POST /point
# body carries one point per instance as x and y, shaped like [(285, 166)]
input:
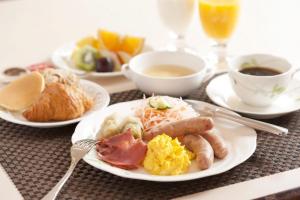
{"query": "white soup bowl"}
[(172, 86)]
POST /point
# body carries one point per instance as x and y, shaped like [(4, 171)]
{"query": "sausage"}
[(202, 149), (193, 125), (217, 143)]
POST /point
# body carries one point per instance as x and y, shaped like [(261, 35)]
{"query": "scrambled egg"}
[(166, 156)]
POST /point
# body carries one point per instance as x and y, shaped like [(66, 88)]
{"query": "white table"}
[(32, 29)]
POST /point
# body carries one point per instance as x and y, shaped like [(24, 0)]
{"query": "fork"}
[(258, 125), (78, 151), (215, 111)]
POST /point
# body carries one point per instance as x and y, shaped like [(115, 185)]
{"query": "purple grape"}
[(105, 64)]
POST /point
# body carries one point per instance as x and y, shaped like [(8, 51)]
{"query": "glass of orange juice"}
[(219, 18)]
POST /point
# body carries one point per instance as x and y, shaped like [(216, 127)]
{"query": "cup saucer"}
[(219, 90)]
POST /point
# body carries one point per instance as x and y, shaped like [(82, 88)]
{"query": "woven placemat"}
[(36, 159)]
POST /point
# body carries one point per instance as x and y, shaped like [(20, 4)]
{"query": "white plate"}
[(219, 90), (61, 58), (241, 141), (99, 94)]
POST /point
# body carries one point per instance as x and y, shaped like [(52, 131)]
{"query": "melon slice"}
[(23, 92)]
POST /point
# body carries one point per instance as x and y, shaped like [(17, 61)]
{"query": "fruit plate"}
[(61, 58), (98, 93), (241, 141)]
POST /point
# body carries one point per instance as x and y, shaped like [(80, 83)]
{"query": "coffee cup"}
[(259, 79)]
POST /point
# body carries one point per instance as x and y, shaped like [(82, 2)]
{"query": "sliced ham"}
[(122, 150)]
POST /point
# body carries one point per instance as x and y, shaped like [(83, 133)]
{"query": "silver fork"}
[(216, 111), (78, 150)]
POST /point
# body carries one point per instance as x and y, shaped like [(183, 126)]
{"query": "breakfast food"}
[(167, 71), (110, 126), (40, 66), (133, 124), (259, 71), (109, 39), (85, 58), (107, 52), (166, 156), (48, 95), (122, 150), (202, 149), (117, 43), (9, 74), (14, 71), (58, 103), (114, 124), (22, 92), (167, 132), (60, 76), (195, 125), (157, 111), (217, 143), (88, 41), (62, 99)]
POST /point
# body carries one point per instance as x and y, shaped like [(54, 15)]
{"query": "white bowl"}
[(173, 86)]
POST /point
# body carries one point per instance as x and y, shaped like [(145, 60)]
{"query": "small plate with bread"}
[(50, 98)]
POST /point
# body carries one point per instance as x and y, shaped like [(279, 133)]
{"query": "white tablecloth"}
[(30, 30)]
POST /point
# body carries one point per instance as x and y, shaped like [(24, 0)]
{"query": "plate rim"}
[(61, 123), (155, 178), (225, 105)]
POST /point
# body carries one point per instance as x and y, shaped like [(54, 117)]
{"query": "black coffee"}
[(260, 71)]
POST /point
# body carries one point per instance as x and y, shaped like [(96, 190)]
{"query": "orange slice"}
[(124, 57), (115, 42), (92, 41), (109, 40), (132, 45)]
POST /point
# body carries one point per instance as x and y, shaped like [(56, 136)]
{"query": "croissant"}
[(59, 102)]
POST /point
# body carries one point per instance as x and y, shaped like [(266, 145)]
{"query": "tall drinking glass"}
[(176, 15), (219, 18)]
